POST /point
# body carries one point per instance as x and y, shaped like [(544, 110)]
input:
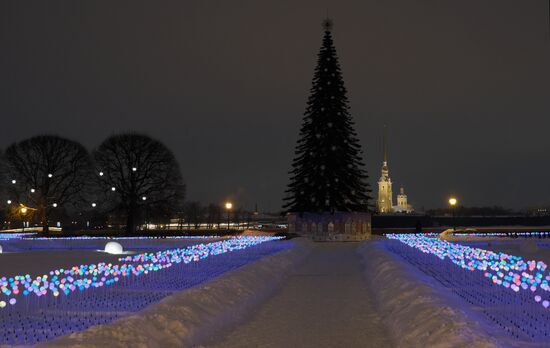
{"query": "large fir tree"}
[(327, 173)]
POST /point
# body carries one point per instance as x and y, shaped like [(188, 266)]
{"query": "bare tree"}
[(46, 173), (214, 212), (138, 174), (193, 214)]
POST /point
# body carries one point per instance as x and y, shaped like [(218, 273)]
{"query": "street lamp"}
[(452, 202), (23, 211), (228, 206)]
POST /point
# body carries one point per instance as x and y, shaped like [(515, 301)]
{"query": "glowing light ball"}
[(113, 248), (0, 249)]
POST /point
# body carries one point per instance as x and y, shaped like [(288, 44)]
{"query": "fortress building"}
[(384, 203)]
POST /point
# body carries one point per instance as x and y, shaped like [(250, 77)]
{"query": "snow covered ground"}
[(311, 295), (39, 257), (414, 307), (192, 316), (323, 303)]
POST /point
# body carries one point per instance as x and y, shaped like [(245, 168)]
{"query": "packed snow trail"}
[(323, 303)]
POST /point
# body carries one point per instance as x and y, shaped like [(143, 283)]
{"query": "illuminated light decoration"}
[(144, 198), (94, 205), (14, 181), (113, 188), (24, 210), (0, 249), (24, 235), (100, 173), (513, 234), (69, 300), (114, 248), (516, 292), (54, 205), (68, 280), (50, 175), (134, 169), (8, 201), (33, 190)]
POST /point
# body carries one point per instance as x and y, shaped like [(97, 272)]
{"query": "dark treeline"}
[(130, 180), (472, 211)]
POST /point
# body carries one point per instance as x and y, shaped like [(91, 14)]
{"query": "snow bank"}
[(416, 313), (449, 236), (257, 233), (192, 316)]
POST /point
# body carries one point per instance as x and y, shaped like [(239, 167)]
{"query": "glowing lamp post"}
[(452, 202), (23, 211), (228, 206)]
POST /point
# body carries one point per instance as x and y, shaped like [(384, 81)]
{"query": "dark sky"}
[(462, 84)]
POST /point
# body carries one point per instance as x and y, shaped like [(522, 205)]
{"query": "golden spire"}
[(385, 143)]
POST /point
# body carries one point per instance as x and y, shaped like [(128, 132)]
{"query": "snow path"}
[(323, 303)]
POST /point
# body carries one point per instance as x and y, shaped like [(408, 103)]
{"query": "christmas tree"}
[(327, 173)]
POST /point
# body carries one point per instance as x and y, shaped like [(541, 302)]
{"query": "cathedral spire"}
[(385, 143)]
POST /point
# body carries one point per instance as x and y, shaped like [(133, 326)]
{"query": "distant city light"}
[(228, 205), (452, 201)]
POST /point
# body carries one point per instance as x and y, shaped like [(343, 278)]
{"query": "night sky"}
[(462, 84)]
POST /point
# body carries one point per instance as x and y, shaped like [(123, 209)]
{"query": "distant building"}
[(402, 205), (384, 203)]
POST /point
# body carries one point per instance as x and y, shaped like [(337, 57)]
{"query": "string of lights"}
[(512, 292)]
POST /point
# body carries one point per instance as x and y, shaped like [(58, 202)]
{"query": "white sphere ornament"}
[(113, 248)]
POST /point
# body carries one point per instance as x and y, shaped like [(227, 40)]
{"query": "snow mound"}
[(256, 233), (193, 316), (417, 314), (449, 235)]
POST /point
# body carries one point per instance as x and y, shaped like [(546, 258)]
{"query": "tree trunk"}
[(131, 219), (45, 222)]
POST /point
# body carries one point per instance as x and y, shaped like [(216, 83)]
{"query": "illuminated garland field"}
[(512, 292), (34, 309), (23, 242)]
